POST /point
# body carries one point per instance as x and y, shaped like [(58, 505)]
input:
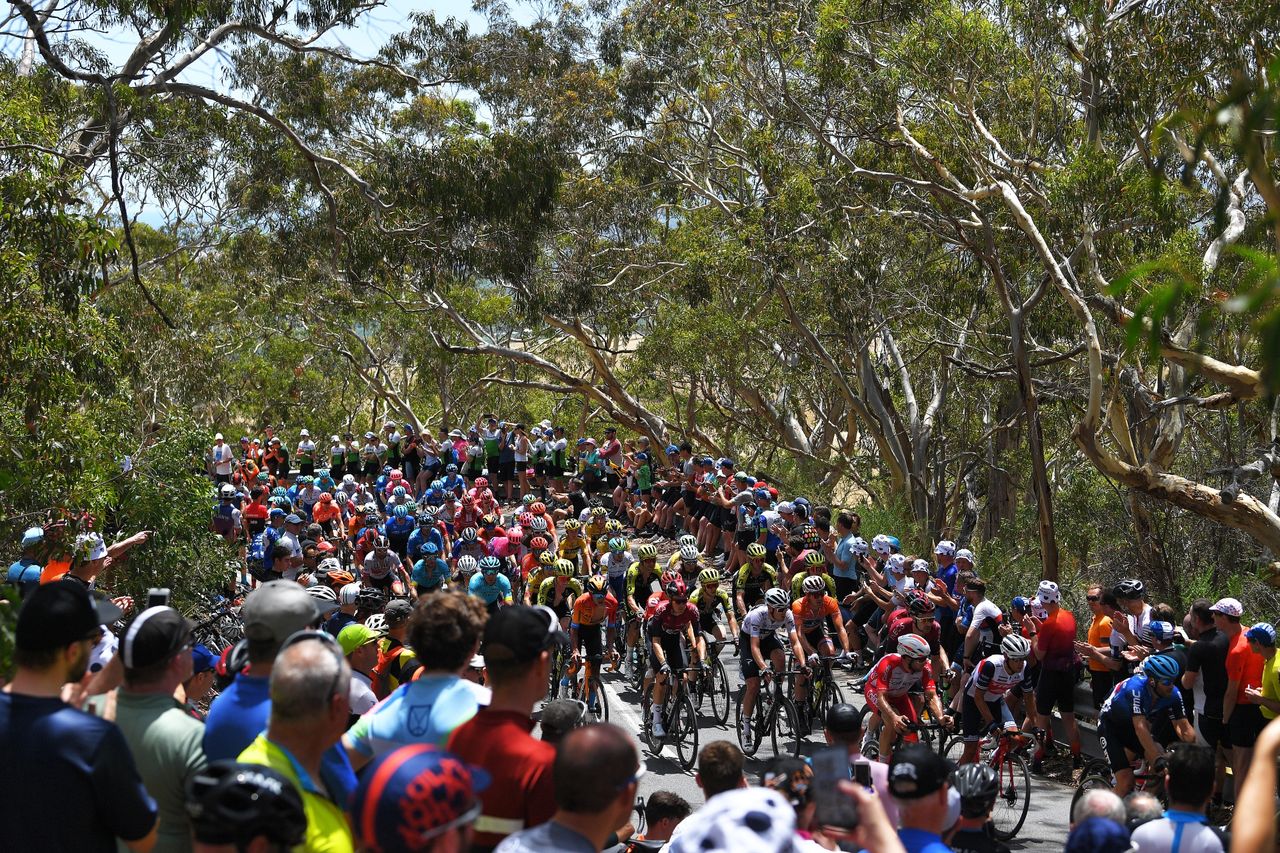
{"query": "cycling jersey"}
[(907, 625), (992, 679), (547, 591), (810, 617), (665, 620), (588, 614), (766, 579), (430, 572), (892, 678), (634, 579), (758, 622), (699, 598), (487, 592), (1135, 697), (987, 616), (797, 585), (571, 546), (379, 567), (617, 564)]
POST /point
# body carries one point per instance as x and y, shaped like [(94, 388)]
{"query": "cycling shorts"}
[(816, 637), (672, 648), (1030, 678), (902, 704), (618, 586), (707, 621), (591, 637), (1115, 740), (746, 663), (971, 722), (1057, 688)]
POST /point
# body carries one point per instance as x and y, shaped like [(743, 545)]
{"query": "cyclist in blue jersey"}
[(430, 573), (1125, 722), (490, 585), (427, 531)]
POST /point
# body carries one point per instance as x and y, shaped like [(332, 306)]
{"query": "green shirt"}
[(1271, 684), (644, 478), (166, 743)]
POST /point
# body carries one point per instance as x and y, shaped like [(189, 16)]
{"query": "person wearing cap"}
[(310, 687), (69, 777), (429, 708), (844, 726), (204, 666), (1262, 638), (270, 615), (397, 662), (559, 717), (517, 648), (1243, 719), (586, 814), (166, 741), (1053, 644), (24, 572), (276, 460), (221, 456), (359, 644), (305, 454), (919, 781), (92, 558)]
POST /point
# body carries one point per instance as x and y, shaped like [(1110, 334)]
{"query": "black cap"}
[(60, 613), (917, 771), (154, 635), (397, 611), (521, 633), (561, 715), (844, 719)]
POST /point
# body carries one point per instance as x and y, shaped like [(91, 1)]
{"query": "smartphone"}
[(158, 597), (833, 807), (862, 774)]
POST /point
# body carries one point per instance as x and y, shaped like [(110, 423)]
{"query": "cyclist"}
[(671, 622), (616, 564), (399, 526), (382, 569), (559, 591), (468, 545), (688, 562), (983, 696), (815, 566), (612, 530), (427, 531), (544, 570), (430, 573), (754, 578), (596, 610), (490, 585), (1128, 717), (467, 567), (637, 587), (482, 498), (708, 598), (888, 687), (978, 786), (919, 618), (595, 527), (529, 563), (758, 641), (574, 546)]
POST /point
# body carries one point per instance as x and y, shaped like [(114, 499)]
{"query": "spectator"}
[(1206, 680), (977, 786), (1054, 647), (397, 662), (428, 709), (663, 810), (559, 717), (360, 646), (1101, 675), (793, 779), (1243, 719), (1098, 835), (1253, 825), (1184, 828), (919, 781), (751, 820), (82, 787), (1262, 639), (310, 686), (346, 613), (1141, 807), (164, 739), (517, 651), (844, 727), (1098, 802), (271, 614), (24, 572), (235, 807), (586, 814), (720, 766), (418, 798), (204, 665)]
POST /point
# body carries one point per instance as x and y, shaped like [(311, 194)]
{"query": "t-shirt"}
[(1192, 831), (361, 695), (1057, 641), (1099, 637), (327, 830), (920, 841), (1270, 684), (521, 793), (423, 711), (1243, 666), (1208, 656), (551, 837), (166, 744), (69, 779), (845, 555)]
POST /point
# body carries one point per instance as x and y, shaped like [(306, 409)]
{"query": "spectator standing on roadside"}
[(1263, 638), (204, 664), (1243, 719), (1102, 677), (720, 766), (1054, 647), (919, 780), (165, 740), (1206, 679), (1141, 807), (663, 812), (1184, 827), (1098, 802)]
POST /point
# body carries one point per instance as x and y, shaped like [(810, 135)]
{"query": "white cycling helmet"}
[(913, 646), (687, 540), (814, 583), (468, 565), (349, 593), (329, 564), (777, 597), (377, 622), (689, 553), (1015, 646), (322, 592)]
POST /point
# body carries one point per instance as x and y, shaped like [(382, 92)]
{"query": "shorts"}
[(611, 480), (222, 478), (562, 609), (371, 469), (746, 662), (1212, 730), (752, 595), (743, 538), (307, 469), (728, 523), (1030, 678), (673, 651), (618, 585), (971, 722), (1056, 688), (902, 704), (507, 471), (1245, 725), (707, 621), (816, 637), (592, 638), (1114, 743)]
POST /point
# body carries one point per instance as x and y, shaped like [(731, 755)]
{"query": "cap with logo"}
[(917, 771), (60, 613), (1263, 633), (1162, 631), (1228, 607), (413, 794)]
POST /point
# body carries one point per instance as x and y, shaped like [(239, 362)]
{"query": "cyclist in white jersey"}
[(984, 703), (759, 647)]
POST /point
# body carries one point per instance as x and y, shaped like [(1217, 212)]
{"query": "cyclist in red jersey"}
[(671, 621), (919, 617), (889, 684)]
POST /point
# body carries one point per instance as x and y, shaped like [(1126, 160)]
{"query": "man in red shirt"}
[(1243, 719), (517, 649), (1053, 644)]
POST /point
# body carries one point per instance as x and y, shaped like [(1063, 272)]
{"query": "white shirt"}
[(222, 457), (361, 694)]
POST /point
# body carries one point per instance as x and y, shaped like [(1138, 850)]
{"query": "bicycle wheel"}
[(602, 700), (719, 693), (638, 666), (953, 748), (1014, 798), (784, 734), (1090, 781), (756, 724), (646, 723), (684, 731), (831, 695)]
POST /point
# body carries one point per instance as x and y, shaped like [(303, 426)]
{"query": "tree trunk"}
[(1035, 443)]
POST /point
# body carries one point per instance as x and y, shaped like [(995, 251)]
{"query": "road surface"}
[(1044, 831)]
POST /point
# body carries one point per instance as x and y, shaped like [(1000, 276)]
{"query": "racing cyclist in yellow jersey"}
[(545, 569), (815, 565), (559, 592), (597, 520), (709, 596), (637, 587), (753, 579), (690, 564), (574, 546), (612, 528)]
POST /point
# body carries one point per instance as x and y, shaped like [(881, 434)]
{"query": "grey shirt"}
[(550, 837)]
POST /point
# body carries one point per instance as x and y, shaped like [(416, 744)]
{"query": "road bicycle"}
[(1006, 752), (679, 719), (559, 670), (932, 733), (1097, 775), (774, 717), (822, 694), (600, 714), (711, 690)]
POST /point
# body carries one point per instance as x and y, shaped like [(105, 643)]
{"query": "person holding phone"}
[(843, 731)]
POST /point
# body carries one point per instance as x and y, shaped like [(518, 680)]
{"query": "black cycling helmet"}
[(233, 803), (1130, 588), (977, 784)]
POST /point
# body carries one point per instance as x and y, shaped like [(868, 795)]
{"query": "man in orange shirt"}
[(1102, 678), (1243, 719)]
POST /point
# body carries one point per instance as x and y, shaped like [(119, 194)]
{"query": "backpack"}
[(259, 554), (223, 519)]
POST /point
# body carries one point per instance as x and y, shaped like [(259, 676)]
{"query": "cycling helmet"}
[(913, 646), (1016, 646), (227, 492), (386, 469), (322, 592), (399, 491), (467, 564), (755, 549), (571, 525), (1162, 668), (537, 543), (425, 518), (279, 492), (880, 544), (815, 558), (451, 468), (617, 544), (468, 534), (859, 546), (348, 479), (371, 598), (537, 508), (814, 583), (340, 578), (490, 564), (546, 558), (707, 576), (528, 500), (233, 803), (597, 585), (689, 553), (381, 543), (482, 483), (977, 784), (489, 520), (305, 480), (613, 526), (524, 518), (326, 498), (1130, 588), (329, 565), (599, 511), (668, 576), (777, 597), (919, 605), (564, 568), (538, 523), (1020, 603), (646, 552), (376, 622), (349, 593), (895, 544), (686, 539), (411, 506), (401, 512), (675, 589)]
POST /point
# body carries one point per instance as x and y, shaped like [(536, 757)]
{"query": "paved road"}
[(1044, 831)]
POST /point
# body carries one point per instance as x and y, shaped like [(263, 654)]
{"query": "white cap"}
[(897, 563), (333, 438), (966, 554), (945, 548), (1048, 592), (1228, 607), (304, 432), (90, 546), (218, 437), (786, 506)]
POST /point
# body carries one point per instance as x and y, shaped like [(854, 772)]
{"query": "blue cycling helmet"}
[(430, 548), (437, 484), (399, 491), (451, 468), (1162, 668), (386, 470), (490, 564), (279, 492), (1020, 602), (894, 544), (401, 511)]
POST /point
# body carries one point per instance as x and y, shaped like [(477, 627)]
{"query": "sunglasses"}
[(679, 600), (328, 642), (1093, 598), (634, 777)]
